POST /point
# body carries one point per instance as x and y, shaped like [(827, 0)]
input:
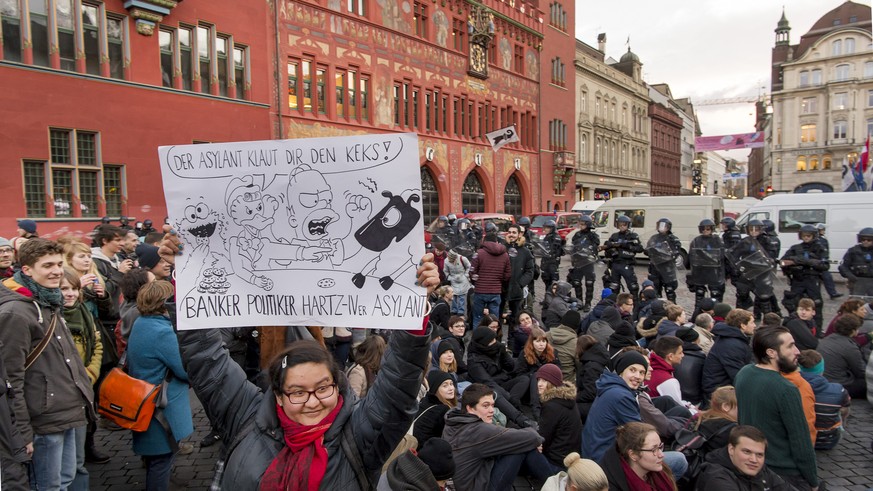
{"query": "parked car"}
[(565, 222)]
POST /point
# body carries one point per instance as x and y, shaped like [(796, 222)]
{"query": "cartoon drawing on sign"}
[(206, 228), (394, 222), (313, 219)]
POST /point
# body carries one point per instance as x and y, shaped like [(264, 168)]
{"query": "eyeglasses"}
[(654, 450), (6, 250), (302, 396)]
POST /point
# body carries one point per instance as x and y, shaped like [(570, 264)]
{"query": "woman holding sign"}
[(309, 431)]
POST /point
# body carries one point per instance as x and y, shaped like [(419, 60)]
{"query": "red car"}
[(566, 222)]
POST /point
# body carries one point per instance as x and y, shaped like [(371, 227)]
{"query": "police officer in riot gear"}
[(663, 248), (826, 278), (773, 245), (621, 249), (553, 249), (146, 229), (524, 223), (803, 264), (706, 256), (754, 270), (857, 264), (730, 236), (583, 256), (466, 242)]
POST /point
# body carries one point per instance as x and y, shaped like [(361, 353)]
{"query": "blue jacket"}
[(615, 405), (730, 352), (152, 350)]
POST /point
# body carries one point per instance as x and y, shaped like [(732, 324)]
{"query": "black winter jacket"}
[(521, 260), (491, 371), (857, 263), (689, 373), (560, 425), (719, 474), (730, 352), (238, 409), (430, 420), (591, 365), (801, 331)]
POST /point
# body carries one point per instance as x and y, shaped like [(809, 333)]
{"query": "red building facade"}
[(666, 150), (450, 71), (91, 89)]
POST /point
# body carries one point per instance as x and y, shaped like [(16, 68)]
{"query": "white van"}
[(685, 212), (844, 215), (588, 207)]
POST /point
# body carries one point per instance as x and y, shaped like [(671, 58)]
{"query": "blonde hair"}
[(73, 246), (152, 296), (722, 396), (585, 474), (72, 277)]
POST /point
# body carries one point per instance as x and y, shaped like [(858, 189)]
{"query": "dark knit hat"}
[(687, 334), (650, 295), (28, 226), (440, 332), (409, 472), (648, 283), (721, 310), (624, 328), (435, 378), (147, 255), (621, 361), (551, 374), (447, 344), (572, 319), (483, 335), (707, 304), (611, 316), (436, 453)]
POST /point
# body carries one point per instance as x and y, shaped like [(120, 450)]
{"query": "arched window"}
[(472, 195), (512, 197), (826, 162), (813, 162), (583, 147), (430, 198)]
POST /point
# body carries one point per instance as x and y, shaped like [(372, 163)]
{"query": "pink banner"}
[(729, 142)]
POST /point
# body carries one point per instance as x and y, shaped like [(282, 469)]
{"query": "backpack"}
[(691, 443)]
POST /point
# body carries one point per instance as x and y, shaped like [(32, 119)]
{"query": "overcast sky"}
[(704, 49)]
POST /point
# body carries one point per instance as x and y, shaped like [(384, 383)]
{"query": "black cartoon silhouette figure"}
[(314, 221), (393, 223)]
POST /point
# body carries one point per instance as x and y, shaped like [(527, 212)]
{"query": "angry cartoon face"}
[(248, 206), (309, 204)]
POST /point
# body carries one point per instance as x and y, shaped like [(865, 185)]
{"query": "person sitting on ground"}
[(309, 405), (844, 363), (491, 321), (690, 372), (563, 340), (624, 336), (716, 422), (706, 306), (489, 363), (647, 327), (441, 310), (592, 359), (445, 359), (430, 468), (607, 299), (610, 319), (671, 323), (664, 414), (489, 457), (832, 401), (791, 373), (801, 324), (636, 461), (559, 421), (562, 302), (368, 360), (442, 395), (624, 302), (666, 354), (740, 465), (457, 329), (581, 475), (524, 323), (615, 404), (721, 311), (865, 312), (771, 319), (703, 325), (731, 350), (536, 353)]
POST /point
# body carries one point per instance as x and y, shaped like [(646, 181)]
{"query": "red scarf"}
[(302, 463), (657, 481)]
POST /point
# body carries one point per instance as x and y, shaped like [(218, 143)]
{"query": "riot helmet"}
[(706, 222), (809, 230), (550, 224), (124, 220), (664, 225), (463, 223), (524, 222), (587, 221), (490, 228), (105, 220), (769, 226), (443, 218), (756, 226), (147, 223), (623, 219), (452, 217), (820, 227), (865, 233), (728, 223)]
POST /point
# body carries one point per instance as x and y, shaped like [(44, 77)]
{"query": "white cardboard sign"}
[(321, 231)]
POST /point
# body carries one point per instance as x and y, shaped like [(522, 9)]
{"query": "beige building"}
[(822, 93), (612, 145)]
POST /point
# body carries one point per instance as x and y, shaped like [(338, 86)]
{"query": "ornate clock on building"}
[(478, 61)]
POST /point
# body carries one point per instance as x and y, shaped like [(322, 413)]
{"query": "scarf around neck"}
[(657, 481), (81, 324), (301, 465), (47, 297)]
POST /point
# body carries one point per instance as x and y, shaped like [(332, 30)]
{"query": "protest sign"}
[(322, 231)]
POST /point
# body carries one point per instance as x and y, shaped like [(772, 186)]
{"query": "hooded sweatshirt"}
[(490, 268), (615, 405), (604, 327), (476, 444), (663, 383)]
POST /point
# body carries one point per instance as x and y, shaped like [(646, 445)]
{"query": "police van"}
[(685, 212), (844, 215)]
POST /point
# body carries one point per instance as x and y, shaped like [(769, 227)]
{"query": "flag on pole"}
[(866, 167), (849, 183), (503, 136)]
